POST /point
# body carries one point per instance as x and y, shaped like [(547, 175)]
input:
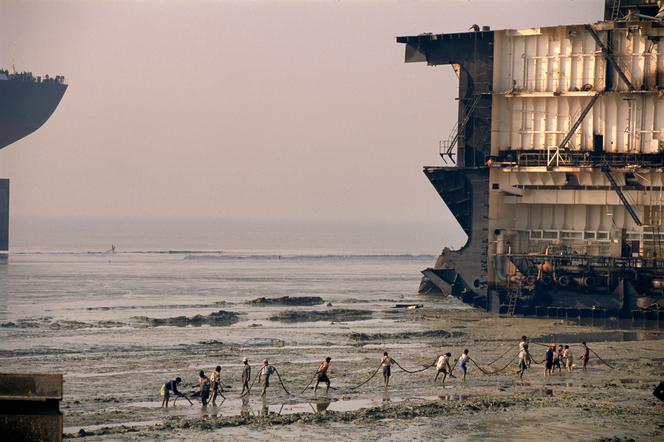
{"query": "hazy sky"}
[(242, 110)]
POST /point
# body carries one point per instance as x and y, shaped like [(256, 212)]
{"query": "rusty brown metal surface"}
[(30, 406)]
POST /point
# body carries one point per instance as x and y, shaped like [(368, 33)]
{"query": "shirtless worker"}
[(321, 374), (585, 354), (443, 366), (523, 361), (386, 363), (204, 384), (215, 385), (463, 364), (568, 359)]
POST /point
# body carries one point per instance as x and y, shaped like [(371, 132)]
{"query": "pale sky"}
[(265, 110)]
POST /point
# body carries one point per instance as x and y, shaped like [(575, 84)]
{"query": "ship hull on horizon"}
[(25, 106), (26, 103)]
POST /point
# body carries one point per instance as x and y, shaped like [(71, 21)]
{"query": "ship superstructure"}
[(26, 102), (555, 167)]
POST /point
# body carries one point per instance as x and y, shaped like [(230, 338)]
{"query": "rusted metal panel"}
[(30, 386), (31, 427), (30, 406)]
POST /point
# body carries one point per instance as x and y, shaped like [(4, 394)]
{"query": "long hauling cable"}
[(281, 382), (370, 378), (414, 371)]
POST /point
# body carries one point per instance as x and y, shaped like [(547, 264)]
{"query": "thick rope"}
[(414, 371), (310, 382), (281, 382), (499, 357), (370, 378), (480, 368), (506, 365), (598, 357)]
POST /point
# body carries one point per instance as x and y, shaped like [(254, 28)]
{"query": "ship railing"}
[(581, 158), (590, 260)]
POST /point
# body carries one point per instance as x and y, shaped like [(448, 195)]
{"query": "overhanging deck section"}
[(471, 55)]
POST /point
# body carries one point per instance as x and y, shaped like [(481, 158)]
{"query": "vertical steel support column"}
[(4, 216)]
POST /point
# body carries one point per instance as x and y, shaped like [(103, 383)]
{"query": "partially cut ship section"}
[(555, 167)]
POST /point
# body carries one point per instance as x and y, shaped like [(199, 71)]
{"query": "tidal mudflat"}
[(120, 326)]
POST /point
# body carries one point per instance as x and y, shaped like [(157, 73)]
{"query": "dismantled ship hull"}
[(555, 167)]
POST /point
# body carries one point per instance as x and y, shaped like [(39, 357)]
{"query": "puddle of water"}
[(99, 427)]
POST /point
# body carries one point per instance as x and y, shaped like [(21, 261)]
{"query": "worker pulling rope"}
[(252, 383), (590, 349)]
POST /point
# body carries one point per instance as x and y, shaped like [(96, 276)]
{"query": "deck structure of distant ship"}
[(555, 166)]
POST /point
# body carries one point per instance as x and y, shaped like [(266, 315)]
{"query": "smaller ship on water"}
[(26, 102)]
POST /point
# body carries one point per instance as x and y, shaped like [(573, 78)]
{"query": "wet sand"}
[(599, 404)]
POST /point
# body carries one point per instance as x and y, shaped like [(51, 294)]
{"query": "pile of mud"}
[(337, 314), (62, 324), (218, 319), (289, 300), (366, 337)]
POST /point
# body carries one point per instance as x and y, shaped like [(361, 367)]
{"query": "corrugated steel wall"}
[(543, 78)]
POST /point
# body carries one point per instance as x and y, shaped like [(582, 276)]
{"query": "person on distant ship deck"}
[(386, 363), (322, 374)]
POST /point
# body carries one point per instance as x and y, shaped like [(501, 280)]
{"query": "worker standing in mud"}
[(215, 384), (443, 366), (321, 374), (568, 359), (386, 363), (168, 388), (548, 361), (264, 375), (557, 359), (246, 374), (463, 364), (204, 384), (523, 361), (585, 354)]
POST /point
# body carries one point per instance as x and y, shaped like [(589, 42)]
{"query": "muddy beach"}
[(113, 373), (599, 404)]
